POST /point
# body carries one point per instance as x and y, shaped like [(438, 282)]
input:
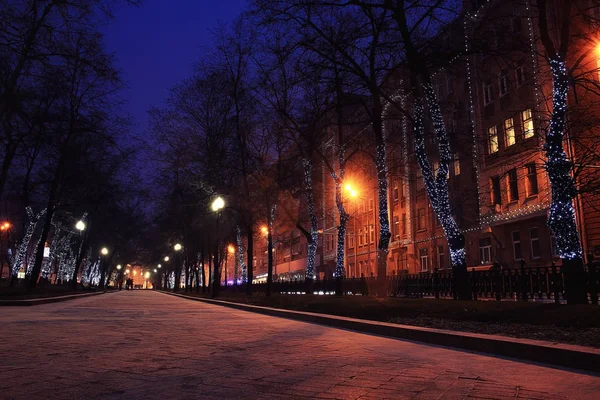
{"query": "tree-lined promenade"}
[(297, 107)]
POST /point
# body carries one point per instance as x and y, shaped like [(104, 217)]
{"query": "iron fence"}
[(545, 284)]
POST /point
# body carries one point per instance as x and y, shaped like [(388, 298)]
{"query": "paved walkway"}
[(148, 345)]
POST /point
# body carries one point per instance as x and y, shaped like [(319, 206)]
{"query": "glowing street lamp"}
[(127, 271), (104, 251), (119, 267), (264, 230), (218, 204), (80, 225), (177, 247), (159, 265), (231, 249), (155, 271), (166, 258), (5, 226), (147, 274), (351, 191)]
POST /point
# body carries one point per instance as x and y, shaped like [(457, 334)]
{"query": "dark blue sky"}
[(157, 44)]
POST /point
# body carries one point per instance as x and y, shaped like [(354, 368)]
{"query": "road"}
[(148, 345)]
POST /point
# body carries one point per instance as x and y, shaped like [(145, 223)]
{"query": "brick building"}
[(496, 106)]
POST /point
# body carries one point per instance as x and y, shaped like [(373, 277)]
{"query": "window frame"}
[(485, 248), (493, 145), (516, 244), (531, 182), (527, 132), (537, 240), (512, 184), (510, 137), (424, 259), (421, 218)]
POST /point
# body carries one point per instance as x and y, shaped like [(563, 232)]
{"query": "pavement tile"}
[(146, 345)]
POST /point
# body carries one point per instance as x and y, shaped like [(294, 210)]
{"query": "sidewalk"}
[(562, 355), (45, 300)]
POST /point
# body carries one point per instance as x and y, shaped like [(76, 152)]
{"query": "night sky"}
[(157, 44)]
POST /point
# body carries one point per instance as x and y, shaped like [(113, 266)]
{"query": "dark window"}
[(516, 240), (504, 83), (485, 250), (396, 227), (421, 219), (535, 242), (441, 257), (513, 185), (520, 72), (532, 183), (495, 190)]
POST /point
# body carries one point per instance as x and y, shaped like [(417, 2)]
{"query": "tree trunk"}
[(250, 266), (314, 229), (382, 192), (561, 218)]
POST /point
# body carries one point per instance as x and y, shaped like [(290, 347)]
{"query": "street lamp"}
[(80, 225), (104, 251), (351, 191), (155, 271), (218, 204), (231, 249), (264, 229), (119, 267), (159, 265), (3, 228), (127, 271), (166, 258), (177, 247)]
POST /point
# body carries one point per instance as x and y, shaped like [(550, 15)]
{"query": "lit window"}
[(421, 219), (492, 140), (516, 241), (456, 163), (485, 250), (509, 130), (372, 232), (513, 185), (350, 241), (424, 258), (531, 182), (366, 236), (527, 120), (396, 191), (535, 242)]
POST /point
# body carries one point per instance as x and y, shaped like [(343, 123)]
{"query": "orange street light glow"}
[(5, 226), (231, 249), (264, 229)]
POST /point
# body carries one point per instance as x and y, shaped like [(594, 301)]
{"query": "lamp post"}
[(3, 228), (354, 194), (103, 261), (231, 250), (266, 231), (80, 226), (177, 266), (217, 205)]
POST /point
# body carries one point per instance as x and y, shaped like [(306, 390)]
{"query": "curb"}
[(45, 300), (562, 355)]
